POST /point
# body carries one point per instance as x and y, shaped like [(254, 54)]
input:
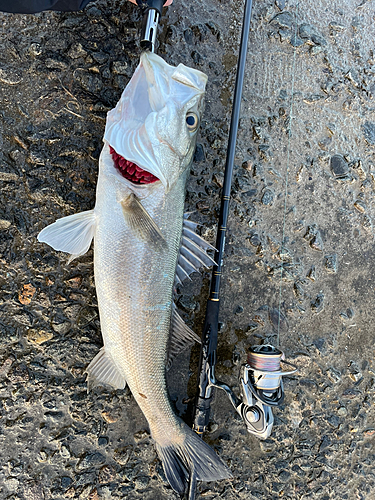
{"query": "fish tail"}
[(192, 457)]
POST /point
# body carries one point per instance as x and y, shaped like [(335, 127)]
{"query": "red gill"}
[(130, 170)]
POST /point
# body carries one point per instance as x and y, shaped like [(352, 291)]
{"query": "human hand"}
[(168, 2)]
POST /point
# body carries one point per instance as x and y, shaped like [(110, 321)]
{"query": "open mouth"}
[(130, 170)]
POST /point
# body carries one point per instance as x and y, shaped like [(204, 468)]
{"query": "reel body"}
[(261, 388)]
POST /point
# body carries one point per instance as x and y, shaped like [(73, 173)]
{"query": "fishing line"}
[(287, 172)]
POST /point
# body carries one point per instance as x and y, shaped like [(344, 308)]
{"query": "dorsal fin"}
[(181, 336), (193, 252)]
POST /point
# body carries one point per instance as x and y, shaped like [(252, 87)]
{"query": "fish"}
[(144, 245)]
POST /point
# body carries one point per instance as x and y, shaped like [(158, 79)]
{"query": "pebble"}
[(10, 77), (62, 328), (8, 177), (367, 224), (199, 154), (333, 375), (268, 197), (317, 243), (122, 455), (359, 169), (330, 263), (66, 481), (284, 35), (273, 244), (106, 474), (333, 421), (35, 49), (141, 482), (86, 478), (264, 152), (141, 436), (368, 129), (218, 179), (284, 476), (360, 206), (335, 26), (91, 460), (313, 236), (299, 292), (296, 41), (339, 166), (280, 4), (11, 484), (283, 20), (76, 51), (342, 411), (355, 376), (100, 57), (267, 445), (120, 67), (318, 305), (38, 336), (311, 274), (212, 427), (4, 224), (285, 255), (255, 240), (88, 81), (187, 303)]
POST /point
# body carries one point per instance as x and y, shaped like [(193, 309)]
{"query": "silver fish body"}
[(134, 287), (138, 231)]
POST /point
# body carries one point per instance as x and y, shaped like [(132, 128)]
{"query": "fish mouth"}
[(130, 171)]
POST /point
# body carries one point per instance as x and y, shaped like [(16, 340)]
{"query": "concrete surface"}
[(299, 260)]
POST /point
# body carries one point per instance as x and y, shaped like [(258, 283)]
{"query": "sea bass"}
[(143, 245)]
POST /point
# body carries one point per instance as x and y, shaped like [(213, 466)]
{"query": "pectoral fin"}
[(72, 234), (138, 219)]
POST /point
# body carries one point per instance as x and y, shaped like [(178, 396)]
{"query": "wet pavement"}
[(298, 264)]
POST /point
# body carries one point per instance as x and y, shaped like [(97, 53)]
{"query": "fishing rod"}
[(152, 11), (260, 379)]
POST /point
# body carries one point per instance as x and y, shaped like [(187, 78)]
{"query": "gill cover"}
[(149, 124)]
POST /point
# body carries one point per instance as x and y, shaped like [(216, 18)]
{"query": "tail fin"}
[(193, 456)]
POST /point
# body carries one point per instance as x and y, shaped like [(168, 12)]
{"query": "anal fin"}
[(181, 337), (141, 223), (102, 370)]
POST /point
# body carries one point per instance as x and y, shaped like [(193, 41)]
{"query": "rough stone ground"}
[(305, 176)]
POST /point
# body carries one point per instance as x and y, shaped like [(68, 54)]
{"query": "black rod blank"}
[(207, 361)]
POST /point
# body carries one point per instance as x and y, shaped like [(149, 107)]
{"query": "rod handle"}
[(206, 369)]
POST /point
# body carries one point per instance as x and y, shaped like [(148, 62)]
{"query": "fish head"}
[(155, 124)]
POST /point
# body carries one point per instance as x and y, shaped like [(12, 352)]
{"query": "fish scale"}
[(130, 321)]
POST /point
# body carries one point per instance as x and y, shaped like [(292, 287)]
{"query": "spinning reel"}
[(261, 388)]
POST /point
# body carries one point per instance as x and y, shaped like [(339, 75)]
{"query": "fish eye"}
[(192, 121)]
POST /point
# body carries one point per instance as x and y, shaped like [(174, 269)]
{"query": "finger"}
[(168, 2)]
